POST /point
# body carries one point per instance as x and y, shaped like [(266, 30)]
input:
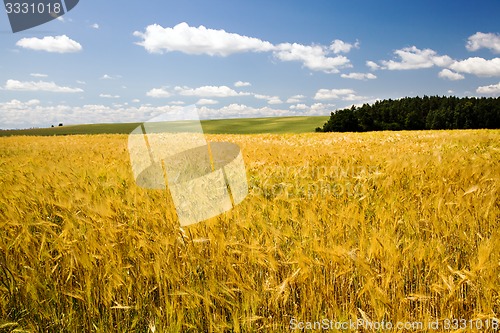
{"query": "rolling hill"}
[(220, 126)]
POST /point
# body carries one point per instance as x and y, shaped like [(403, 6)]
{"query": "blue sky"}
[(104, 62)]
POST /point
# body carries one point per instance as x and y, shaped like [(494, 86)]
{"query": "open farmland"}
[(383, 227), (298, 124)]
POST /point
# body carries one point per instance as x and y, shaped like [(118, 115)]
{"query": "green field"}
[(221, 126)]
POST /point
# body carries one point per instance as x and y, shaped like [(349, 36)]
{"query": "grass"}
[(223, 126), (383, 226)]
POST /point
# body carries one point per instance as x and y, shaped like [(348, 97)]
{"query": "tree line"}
[(417, 113)]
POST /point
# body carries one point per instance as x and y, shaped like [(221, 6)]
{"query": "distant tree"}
[(416, 113), (60, 124)]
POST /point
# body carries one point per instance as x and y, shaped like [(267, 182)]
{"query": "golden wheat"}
[(383, 227)]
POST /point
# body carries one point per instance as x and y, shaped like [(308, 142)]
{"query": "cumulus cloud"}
[(493, 89), (312, 57), (478, 66), (15, 85), (242, 84), (295, 99), (321, 108), (158, 93), (300, 106), (205, 101), (274, 100), (204, 91), (209, 91), (259, 96), (57, 44), (18, 114), (372, 65), (108, 96), (359, 76), (270, 99), (95, 26), (200, 40), (110, 77), (414, 58), (341, 94), (450, 75), (244, 111), (484, 40), (38, 75), (339, 46)]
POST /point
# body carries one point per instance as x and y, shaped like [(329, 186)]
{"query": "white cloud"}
[(295, 99), (484, 40), (242, 84), (205, 101), (110, 77), (372, 65), (136, 100), (414, 58), (158, 93), (493, 89), (300, 106), (192, 40), (38, 75), (450, 75), (244, 111), (270, 99), (15, 85), (177, 103), (353, 97), (339, 46), (95, 26), (313, 57), (478, 66), (359, 76), (108, 96), (57, 44), (317, 109), (201, 40), (209, 91), (450, 91), (342, 94), (274, 100), (33, 102), (18, 114), (321, 109), (259, 96), (239, 111), (81, 82)]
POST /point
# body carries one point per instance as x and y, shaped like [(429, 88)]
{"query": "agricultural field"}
[(227, 126), (381, 227)]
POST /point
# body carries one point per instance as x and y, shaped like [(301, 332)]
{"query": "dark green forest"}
[(417, 113)]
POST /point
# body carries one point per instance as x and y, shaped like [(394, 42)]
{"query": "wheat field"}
[(380, 227)]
